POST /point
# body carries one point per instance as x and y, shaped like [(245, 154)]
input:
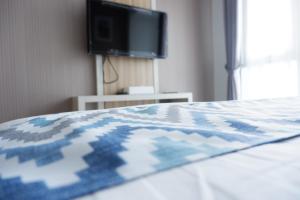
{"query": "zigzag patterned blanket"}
[(68, 155)]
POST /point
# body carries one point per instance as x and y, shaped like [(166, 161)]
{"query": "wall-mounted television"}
[(121, 30)]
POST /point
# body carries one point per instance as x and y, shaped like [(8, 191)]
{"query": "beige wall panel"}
[(43, 57), (132, 71), (189, 47)]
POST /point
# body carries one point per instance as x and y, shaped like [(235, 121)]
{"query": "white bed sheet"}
[(271, 171)]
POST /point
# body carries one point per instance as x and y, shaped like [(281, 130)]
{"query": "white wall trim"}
[(156, 76), (155, 61), (99, 74), (99, 78), (153, 4)]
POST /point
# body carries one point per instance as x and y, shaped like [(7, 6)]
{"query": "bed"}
[(212, 150)]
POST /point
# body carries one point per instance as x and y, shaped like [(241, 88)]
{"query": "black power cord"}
[(114, 69)]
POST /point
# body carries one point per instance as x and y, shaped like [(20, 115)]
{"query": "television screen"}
[(121, 30)]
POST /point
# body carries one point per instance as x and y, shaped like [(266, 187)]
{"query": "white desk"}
[(81, 101)]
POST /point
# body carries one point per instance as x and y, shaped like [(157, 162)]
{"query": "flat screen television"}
[(121, 30)]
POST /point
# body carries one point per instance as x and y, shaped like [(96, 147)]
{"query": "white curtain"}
[(270, 49)]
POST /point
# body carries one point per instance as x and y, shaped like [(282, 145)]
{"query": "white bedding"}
[(271, 171)]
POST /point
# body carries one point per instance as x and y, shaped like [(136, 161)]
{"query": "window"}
[(270, 49)]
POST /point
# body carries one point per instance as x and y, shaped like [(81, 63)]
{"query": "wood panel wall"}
[(132, 71)]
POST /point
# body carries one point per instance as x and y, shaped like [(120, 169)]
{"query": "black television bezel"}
[(135, 54)]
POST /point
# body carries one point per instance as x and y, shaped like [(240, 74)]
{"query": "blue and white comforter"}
[(68, 155)]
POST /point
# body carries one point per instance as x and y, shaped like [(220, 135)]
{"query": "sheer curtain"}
[(270, 49)]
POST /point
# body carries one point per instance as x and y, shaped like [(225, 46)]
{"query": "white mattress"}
[(271, 171)]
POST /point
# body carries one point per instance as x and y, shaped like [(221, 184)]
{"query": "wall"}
[(43, 59), (183, 70), (219, 53), (207, 48)]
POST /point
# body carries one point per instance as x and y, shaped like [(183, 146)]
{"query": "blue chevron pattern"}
[(67, 155)]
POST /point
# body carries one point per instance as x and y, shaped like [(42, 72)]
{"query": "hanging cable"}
[(113, 68)]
